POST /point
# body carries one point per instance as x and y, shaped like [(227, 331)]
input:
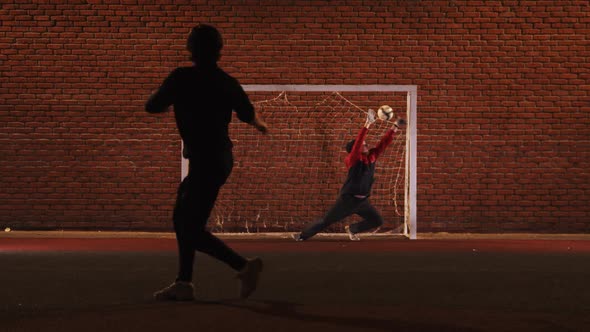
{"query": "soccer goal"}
[(290, 177)]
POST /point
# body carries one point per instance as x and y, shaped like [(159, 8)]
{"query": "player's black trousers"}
[(345, 206), (195, 200)]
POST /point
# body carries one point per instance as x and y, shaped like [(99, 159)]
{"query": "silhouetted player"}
[(354, 195), (204, 97)]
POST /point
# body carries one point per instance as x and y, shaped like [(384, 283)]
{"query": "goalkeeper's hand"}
[(399, 123), (370, 118)]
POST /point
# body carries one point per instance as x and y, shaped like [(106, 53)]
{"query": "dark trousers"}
[(345, 206), (195, 200)]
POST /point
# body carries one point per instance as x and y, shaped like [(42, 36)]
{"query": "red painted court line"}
[(83, 244), (283, 245)]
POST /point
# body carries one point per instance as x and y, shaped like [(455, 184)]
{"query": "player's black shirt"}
[(203, 100)]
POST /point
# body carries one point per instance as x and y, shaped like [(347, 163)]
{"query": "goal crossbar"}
[(339, 88)]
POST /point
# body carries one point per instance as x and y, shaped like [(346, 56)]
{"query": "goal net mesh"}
[(290, 177)]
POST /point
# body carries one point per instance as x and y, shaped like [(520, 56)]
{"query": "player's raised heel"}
[(351, 235), (177, 291), (297, 237), (249, 277)]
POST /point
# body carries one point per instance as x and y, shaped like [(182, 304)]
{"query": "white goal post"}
[(411, 134)]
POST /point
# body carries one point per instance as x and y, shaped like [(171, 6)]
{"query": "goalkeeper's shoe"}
[(249, 277), (351, 235), (177, 291)]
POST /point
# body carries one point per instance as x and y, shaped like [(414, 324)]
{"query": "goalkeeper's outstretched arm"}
[(388, 137)]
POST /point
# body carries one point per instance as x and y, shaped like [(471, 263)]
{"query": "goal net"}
[(290, 177)]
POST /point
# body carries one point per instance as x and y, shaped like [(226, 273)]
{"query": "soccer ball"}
[(385, 113)]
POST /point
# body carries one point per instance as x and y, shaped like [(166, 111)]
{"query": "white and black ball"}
[(385, 113)]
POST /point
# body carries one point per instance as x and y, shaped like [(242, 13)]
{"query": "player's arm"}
[(383, 143), (161, 99), (357, 148), (259, 124), (356, 152), (245, 110), (387, 138)]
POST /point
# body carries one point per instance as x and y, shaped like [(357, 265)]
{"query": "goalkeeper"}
[(354, 195)]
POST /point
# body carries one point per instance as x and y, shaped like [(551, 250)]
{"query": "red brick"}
[(502, 111)]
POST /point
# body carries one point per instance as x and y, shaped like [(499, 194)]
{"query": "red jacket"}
[(361, 168), (356, 153)]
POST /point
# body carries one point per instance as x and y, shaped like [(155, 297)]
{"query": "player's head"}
[(350, 144), (205, 44)]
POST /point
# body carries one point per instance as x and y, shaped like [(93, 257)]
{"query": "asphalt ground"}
[(103, 282)]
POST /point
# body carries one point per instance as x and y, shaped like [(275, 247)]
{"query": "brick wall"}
[(504, 101)]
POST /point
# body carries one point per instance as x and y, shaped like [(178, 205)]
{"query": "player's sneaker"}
[(351, 235), (249, 277), (177, 291), (297, 237)]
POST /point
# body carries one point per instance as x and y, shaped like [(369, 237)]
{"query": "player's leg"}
[(371, 218), (345, 206), (195, 200), (206, 242), (207, 190), (190, 221), (182, 288), (248, 269)]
